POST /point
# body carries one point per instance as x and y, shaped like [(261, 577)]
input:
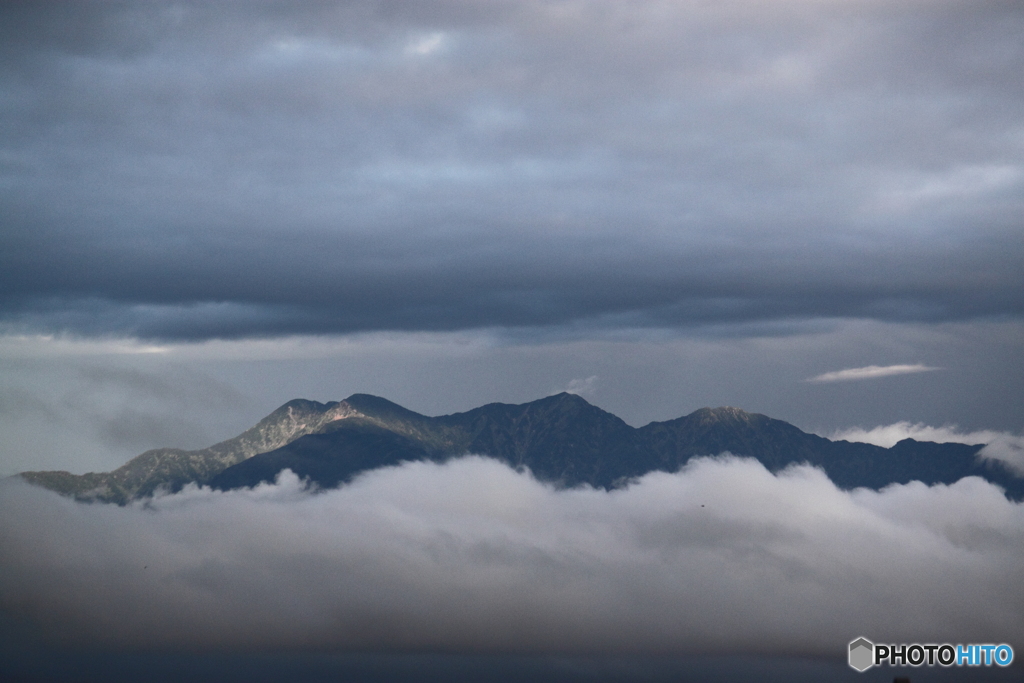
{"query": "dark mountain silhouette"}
[(564, 439), (561, 439)]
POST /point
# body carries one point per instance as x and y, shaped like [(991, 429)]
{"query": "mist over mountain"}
[(537, 535), (561, 439)]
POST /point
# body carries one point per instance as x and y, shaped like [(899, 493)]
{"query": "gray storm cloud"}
[(721, 557), (197, 171)]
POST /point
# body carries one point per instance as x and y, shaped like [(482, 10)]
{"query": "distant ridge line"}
[(561, 438)]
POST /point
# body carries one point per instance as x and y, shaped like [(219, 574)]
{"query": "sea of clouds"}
[(473, 556)]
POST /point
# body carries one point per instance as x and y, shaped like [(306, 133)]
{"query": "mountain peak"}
[(567, 397), (375, 406), (723, 414), (300, 406), (565, 402)]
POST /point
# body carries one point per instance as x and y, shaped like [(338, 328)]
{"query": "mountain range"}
[(561, 439)]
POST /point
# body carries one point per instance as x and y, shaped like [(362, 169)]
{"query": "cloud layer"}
[(206, 171), (471, 556)]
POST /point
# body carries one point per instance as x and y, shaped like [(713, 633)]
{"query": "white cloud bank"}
[(472, 556), (1003, 446), (870, 372)]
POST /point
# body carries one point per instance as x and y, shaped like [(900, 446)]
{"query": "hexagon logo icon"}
[(862, 654)]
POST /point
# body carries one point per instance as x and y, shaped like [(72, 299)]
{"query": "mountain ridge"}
[(562, 439), (172, 468)]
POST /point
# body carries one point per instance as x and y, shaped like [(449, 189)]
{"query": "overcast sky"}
[(811, 209), (662, 205)]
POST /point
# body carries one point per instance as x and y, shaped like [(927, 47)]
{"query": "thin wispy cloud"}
[(582, 387), (870, 372)]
